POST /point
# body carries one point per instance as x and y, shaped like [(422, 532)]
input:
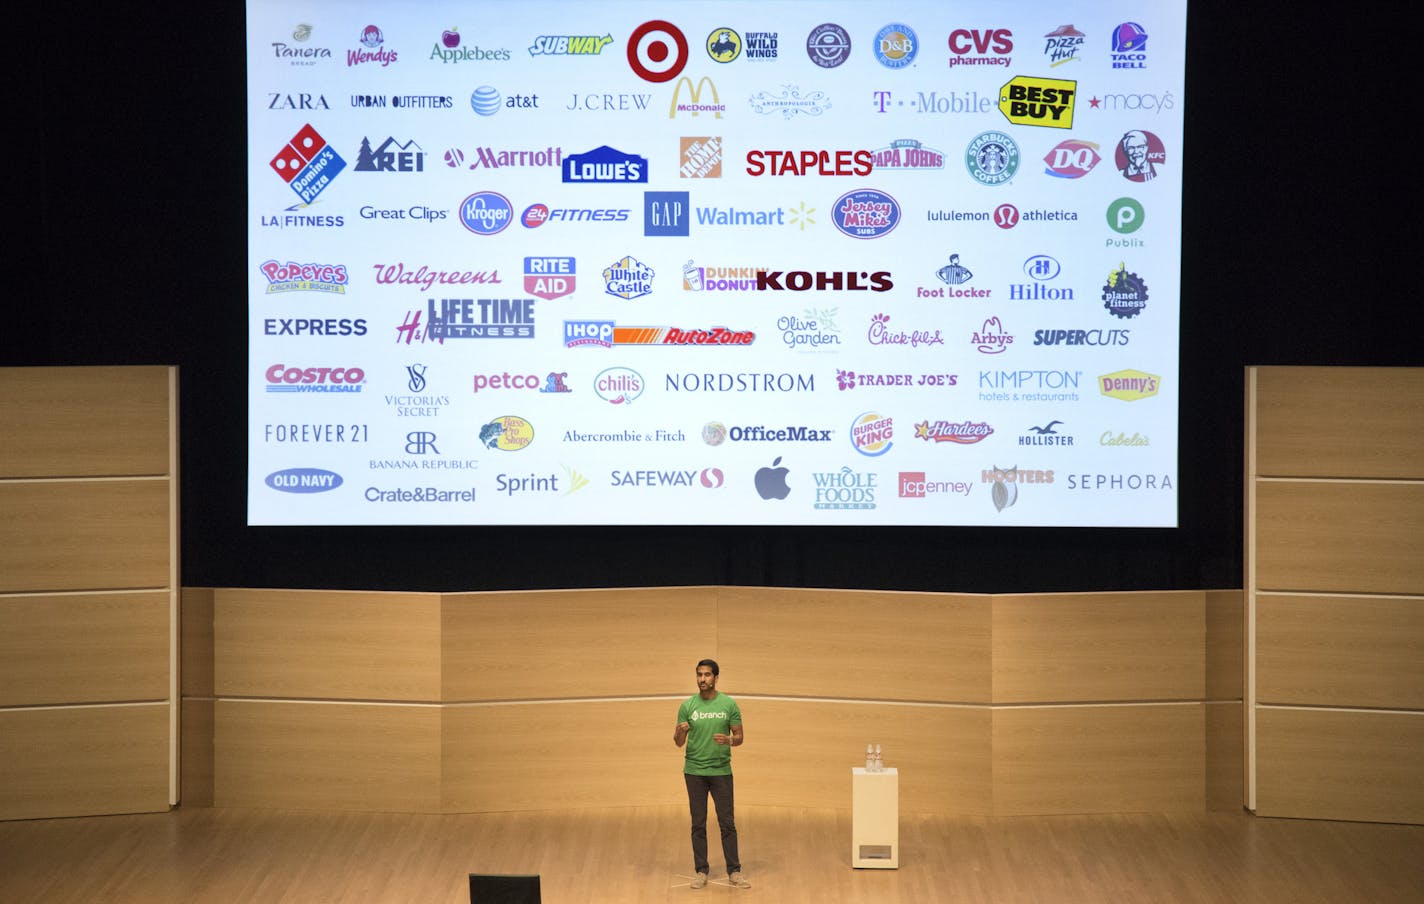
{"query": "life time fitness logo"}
[(307, 164)]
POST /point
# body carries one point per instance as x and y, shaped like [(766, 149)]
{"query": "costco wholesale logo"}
[(281, 378), (1028, 101), (1129, 385), (307, 164), (866, 214), (550, 277), (1072, 159), (964, 433), (294, 277)]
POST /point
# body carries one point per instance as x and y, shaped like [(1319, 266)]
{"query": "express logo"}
[(307, 164), (700, 158), (866, 214), (896, 46), (992, 158), (1125, 294), (486, 212), (828, 45), (1072, 159), (724, 45), (1028, 101), (1138, 155), (964, 433), (657, 51), (628, 278), (619, 385), (294, 277), (871, 433)]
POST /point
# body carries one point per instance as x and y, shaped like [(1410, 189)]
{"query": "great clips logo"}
[(294, 277), (307, 164)]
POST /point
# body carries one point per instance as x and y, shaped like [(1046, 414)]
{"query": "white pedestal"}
[(875, 819)]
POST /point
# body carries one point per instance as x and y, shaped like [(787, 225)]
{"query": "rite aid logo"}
[(486, 212)]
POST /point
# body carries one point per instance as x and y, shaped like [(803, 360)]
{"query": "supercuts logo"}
[(282, 378), (809, 163), (866, 214), (294, 277), (604, 164), (307, 164), (824, 281)]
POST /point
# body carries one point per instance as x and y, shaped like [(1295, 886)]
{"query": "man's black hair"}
[(711, 664)]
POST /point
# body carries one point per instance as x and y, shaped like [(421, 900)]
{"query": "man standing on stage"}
[(710, 724)]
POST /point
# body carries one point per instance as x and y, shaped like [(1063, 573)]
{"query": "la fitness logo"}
[(293, 277), (307, 164), (657, 51)]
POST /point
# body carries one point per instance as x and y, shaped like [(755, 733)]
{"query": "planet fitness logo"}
[(650, 55)]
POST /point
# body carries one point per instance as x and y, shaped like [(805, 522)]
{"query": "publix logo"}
[(303, 480), (866, 213)]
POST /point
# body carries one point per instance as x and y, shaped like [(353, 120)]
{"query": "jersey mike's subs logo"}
[(866, 214)]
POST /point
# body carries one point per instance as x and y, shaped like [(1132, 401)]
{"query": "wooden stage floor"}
[(641, 854)]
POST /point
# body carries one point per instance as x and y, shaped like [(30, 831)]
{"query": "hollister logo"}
[(549, 277), (1129, 385)]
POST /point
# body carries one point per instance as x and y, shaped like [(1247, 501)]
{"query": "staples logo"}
[(809, 163)]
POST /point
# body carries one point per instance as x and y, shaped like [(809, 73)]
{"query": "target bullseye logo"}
[(657, 51)]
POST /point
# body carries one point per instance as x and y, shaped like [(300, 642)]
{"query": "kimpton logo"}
[(1129, 385)]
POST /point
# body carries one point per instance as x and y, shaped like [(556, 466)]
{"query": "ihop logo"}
[(866, 213), (486, 212)]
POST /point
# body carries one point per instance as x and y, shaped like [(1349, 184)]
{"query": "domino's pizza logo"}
[(307, 164)]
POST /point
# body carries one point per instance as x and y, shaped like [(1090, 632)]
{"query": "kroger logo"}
[(486, 212), (866, 213)]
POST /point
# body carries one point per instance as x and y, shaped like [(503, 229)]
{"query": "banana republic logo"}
[(695, 104)]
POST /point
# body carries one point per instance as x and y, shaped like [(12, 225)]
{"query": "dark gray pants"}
[(720, 787)]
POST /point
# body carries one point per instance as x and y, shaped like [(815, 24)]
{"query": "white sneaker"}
[(699, 880), (738, 881)]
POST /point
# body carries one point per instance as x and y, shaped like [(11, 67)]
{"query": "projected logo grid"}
[(708, 263)]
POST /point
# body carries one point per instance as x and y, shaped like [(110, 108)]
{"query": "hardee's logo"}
[(695, 105), (1129, 385), (1028, 101)]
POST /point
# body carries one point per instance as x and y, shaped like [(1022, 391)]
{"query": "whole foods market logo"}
[(1029, 101), (628, 278), (845, 489), (507, 433), (486, 212), (307, 164), (1129, 385), (1125, 294), (866, 214), (992, 158), (896, 46), (871, 433)]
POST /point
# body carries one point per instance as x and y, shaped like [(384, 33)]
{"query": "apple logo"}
[(451, 38), (771, 482)]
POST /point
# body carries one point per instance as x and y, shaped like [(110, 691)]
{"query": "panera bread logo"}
[(1129, 385)]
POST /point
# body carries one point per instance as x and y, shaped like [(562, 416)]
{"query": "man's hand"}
[(722, 738), (679, 734)]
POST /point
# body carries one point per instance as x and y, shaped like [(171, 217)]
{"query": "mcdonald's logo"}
[(695, 105)]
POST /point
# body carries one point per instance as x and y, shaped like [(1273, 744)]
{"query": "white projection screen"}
[(801, 263)]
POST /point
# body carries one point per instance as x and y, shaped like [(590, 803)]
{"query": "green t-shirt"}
[(708, 717)]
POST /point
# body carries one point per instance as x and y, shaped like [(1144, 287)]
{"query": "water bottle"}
[(869, 758)]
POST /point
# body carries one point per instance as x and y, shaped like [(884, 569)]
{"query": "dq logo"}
[(695, 94), (650, 55)]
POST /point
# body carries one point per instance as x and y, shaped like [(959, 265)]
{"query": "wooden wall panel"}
[(1340, 537), (84, 535), (83, 760), (196, 753), (83, 421), (540, 756), (1225, 760), (1340, 422), (326, 756), (1099, 759), (859, 645), (83, 648), (327, 644), (1340, 651), (576, 643), (1099, 647), (1333, 764), (196, 641), (799, 753), (1225, 644)]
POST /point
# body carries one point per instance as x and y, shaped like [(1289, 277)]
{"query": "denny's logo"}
[(1129, 385)]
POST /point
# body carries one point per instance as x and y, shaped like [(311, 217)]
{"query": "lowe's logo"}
[(303, 480)]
